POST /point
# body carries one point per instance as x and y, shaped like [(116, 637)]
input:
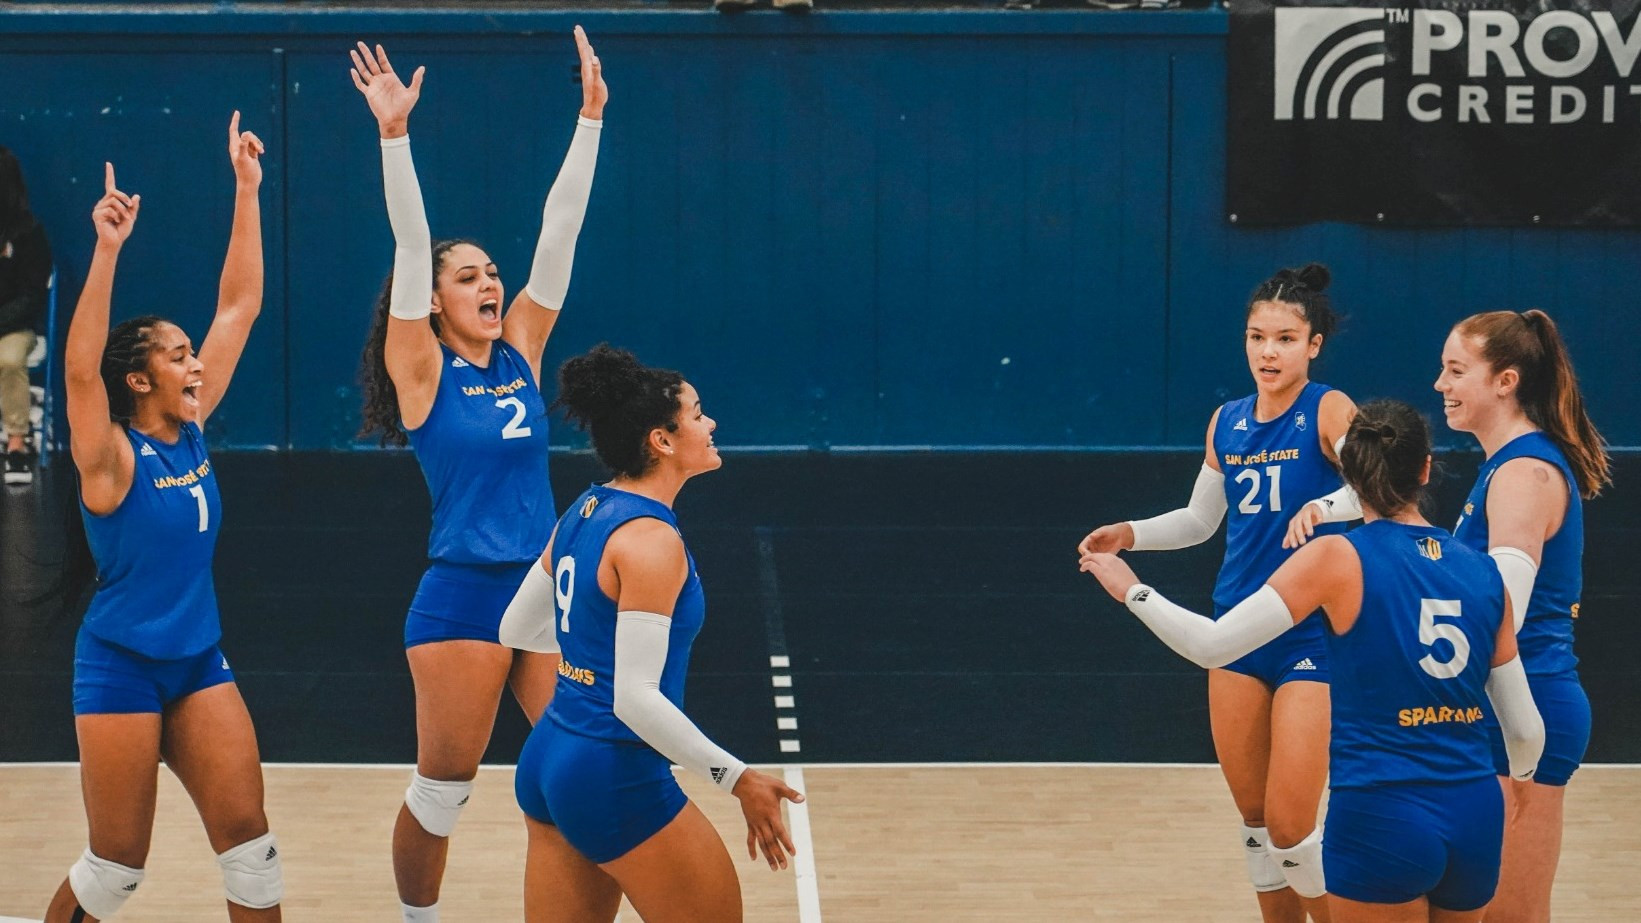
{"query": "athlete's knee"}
[(1262, 871), (251, 875), (436, 805), (1301, 865), (100, 886)]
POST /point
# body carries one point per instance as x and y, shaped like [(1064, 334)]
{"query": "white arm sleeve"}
[(1519, 573), (561, 217), (1518, 717), (640, 654), (412, 294), (1192, 525), (1340, 506), (527, 625), (1207, 642)]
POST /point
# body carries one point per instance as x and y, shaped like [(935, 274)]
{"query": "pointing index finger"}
[(108, 177), (233, 129)]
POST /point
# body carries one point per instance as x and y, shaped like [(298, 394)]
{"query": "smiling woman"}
[(448, 373), (150, 681)]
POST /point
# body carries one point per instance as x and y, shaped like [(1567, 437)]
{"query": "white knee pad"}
[(250, 873), (101, 886), (1301, 865), (1262, 870), (436, 805)]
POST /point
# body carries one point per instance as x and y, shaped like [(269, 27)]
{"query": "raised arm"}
[(239, 295), (99, 448), (1318, 575), (534, 311), (412, 350), (650, 569)]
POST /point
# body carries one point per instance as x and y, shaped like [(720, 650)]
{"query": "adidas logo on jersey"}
[(225, 663), (1241, 424), (458, 363), (1304, 665), (148, 449)]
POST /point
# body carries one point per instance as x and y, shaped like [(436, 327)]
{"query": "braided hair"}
[(129, 344)]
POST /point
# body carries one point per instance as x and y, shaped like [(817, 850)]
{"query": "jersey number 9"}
[(564, 590)]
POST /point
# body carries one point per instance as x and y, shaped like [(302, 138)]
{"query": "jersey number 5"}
[(513, 430), (564, 590), (1431, 631), (1251, 475)]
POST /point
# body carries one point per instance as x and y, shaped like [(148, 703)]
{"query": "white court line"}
[(17, 920), (498, 767), (804, 862)]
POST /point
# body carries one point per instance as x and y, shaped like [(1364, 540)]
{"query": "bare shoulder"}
[(1530, 475), (647, 545)]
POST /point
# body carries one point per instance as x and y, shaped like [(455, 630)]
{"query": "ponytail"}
[(1384, 455), (1548, 393)]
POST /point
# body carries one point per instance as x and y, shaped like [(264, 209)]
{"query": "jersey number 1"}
[(198, 493), (513, 430), (1251, 475)]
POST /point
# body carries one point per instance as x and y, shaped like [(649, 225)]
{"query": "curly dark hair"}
[(381, 408), (620, 400)]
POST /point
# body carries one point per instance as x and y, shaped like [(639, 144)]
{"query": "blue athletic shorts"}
[(462, 602), (1391, 844), (1300, 653), (1566, 711), (605, 796), (111, 680)]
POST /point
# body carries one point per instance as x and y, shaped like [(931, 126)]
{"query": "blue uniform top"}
[(1546, 637), (483, 451), (1409, 677), (154, 594), (1271, 470), (584, 699)]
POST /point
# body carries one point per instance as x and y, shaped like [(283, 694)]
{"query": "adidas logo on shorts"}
[(1304, 665), (148, 449)]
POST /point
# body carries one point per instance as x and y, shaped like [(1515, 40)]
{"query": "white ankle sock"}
[(429, 914)]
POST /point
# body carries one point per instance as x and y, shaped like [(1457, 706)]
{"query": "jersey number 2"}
[(198, 493), (1251, 475), (513, 430), (564, 590), (1431, 631)]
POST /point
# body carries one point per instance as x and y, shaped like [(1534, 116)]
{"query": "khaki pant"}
[(14, 398)]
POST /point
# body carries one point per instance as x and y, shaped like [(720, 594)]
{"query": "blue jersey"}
[(1271, 470), (584, 699), (1546, 637), (155, 595), (1408, 678), (483, 451)]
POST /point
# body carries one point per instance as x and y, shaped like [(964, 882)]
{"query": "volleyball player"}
[(150, 681), (1507, 379), (1267, 453), (448, 372), (617, 594), (1419, 633)]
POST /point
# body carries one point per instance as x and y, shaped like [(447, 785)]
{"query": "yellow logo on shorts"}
[(1430, 548), (1575, 610), (588, 507), (1469, 508)]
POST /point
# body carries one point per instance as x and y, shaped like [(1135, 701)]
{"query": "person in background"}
[(25, 273)]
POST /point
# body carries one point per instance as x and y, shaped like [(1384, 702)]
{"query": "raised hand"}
[(390, 100), (594, 94), (1113, 573), (1119, 536), (760, 797), (244, 151), (115, 213)]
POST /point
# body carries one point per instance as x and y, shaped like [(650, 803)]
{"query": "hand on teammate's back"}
[(1119, 536), (760, 796), (1302, 526)]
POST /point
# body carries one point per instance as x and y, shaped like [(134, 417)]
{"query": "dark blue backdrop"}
[(969, 229)]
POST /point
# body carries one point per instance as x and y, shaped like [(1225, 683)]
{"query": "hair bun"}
[(1313, 276), (1383, 432), (599, 382)]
